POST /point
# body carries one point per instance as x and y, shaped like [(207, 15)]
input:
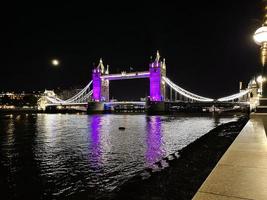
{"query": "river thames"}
[(54, 156)]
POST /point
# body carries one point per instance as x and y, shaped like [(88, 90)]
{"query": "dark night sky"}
[(207, 44)]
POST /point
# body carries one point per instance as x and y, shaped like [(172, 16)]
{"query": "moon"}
[(55, 62)]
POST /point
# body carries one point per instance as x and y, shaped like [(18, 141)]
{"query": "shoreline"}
[(35, 111), (187, 169)]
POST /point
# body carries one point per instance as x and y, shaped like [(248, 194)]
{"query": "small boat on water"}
[(121, 128)]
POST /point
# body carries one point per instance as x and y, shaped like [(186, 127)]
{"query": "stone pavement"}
[(242, 171)]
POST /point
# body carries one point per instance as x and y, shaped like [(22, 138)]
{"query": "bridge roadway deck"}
[(242, 171)]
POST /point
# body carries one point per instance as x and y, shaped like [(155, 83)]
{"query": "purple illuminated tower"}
[(100, 85), (157, 70), (96, 76)]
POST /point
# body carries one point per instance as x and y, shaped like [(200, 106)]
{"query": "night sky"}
[(207, 44)]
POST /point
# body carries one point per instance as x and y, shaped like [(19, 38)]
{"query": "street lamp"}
[(260, 38)]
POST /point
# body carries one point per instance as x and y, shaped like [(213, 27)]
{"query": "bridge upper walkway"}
[(124, 75)]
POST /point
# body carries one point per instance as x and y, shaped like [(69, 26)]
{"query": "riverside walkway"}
[(242, 171)]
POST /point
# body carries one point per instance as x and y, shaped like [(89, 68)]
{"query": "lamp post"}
[(260, 38)]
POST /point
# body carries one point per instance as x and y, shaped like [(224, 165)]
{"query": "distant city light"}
[(55, 62)]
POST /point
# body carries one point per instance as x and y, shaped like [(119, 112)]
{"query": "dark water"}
[(54, 156)]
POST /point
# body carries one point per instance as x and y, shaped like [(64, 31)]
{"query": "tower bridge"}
[(95, 95)]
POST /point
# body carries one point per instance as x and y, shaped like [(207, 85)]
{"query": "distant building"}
[(18, 99)]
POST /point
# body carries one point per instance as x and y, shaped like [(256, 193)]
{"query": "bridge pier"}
[(156, 107), (95, 107)]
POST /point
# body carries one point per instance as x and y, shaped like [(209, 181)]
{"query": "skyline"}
[(203, 43)]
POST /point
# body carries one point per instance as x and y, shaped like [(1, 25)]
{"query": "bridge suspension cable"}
[(85, 97), (186, 93), (79, 94), (234, 96), (80, 97)]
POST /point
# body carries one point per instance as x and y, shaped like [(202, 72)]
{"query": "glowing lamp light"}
[(55, 62), (259, 79), (260, 36)]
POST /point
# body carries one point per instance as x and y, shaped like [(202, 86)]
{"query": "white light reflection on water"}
[(88, 153)]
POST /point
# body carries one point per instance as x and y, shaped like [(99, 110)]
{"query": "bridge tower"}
[(157, 70), (100, 86), (105, 87), (96, 77)]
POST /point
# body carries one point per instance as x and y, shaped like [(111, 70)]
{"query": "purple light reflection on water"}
[(95, 137), (154, 149)]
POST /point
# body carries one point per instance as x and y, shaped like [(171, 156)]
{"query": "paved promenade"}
[(242, 171)]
